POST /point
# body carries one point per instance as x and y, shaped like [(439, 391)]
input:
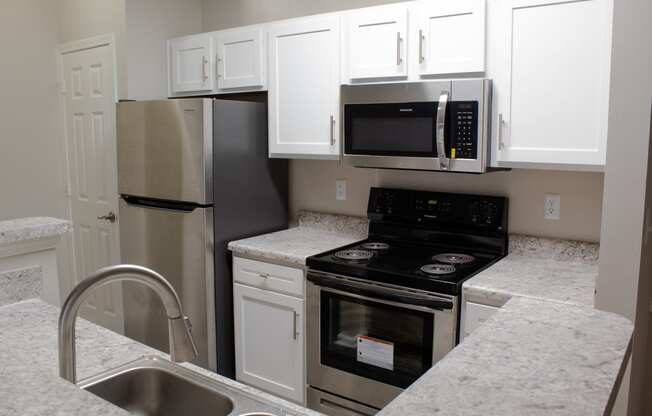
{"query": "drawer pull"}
[(263, 275)]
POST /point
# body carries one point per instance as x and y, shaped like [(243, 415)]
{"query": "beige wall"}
[(312, 186), (623, 285), (222, 14), (150, 23), (80, 19), (31, 176)]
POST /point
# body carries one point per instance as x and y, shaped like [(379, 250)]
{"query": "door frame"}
[(68, 271)]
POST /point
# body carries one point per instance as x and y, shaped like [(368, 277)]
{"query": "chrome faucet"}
[(182, 346)]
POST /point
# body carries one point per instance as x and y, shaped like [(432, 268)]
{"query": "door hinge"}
[(62, 88)]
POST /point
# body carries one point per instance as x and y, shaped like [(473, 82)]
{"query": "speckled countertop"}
[(21, 229), (314, 234), (533, 358), (29, 381), (539, 268)]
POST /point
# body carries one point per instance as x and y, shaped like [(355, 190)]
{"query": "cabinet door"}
[(451, 36), (190, 64), (550, 61), (377, 42), (303, 100), (476, 314), (240, 58), (269, 341)]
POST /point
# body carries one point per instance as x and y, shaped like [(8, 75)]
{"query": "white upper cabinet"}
[(451, 36), (550, 62), (241, 59), (377, 42), (191, 60), (303, 100)]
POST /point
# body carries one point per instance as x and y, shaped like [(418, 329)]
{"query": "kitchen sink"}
[(152, 386)]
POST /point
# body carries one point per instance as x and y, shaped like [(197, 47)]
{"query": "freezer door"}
[(165, 149), (179, 245)]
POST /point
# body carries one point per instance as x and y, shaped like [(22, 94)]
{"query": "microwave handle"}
[(441, 128)]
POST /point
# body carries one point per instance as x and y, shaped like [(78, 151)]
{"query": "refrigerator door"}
[(165, 149), (178, 243)]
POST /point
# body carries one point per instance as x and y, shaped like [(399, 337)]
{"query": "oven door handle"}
[(441, 130), (381, 293)]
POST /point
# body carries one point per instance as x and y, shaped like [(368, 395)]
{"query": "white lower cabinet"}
[(475, 314), (269, 340)]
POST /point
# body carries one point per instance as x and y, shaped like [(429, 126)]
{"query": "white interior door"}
[(89, 90)]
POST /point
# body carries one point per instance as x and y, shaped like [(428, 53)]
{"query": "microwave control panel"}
[(464, 129)]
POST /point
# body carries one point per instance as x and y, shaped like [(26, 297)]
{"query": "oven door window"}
[(371, 339), (399, 129)]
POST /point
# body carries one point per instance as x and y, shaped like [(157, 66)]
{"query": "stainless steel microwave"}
[(430, 125)]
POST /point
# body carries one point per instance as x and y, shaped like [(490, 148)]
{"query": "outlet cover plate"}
[(340, 189), (552, 207)]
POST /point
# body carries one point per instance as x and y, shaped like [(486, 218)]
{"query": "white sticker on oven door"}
[(376, 352)]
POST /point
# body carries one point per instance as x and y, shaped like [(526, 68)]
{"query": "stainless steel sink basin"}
[(152, 386)]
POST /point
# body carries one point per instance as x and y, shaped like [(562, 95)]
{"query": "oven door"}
[(368, 342)]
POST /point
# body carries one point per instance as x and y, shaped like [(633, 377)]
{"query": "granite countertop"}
[(21, 229), (29, 381), (314, 234), (539, 268), (532, 358)]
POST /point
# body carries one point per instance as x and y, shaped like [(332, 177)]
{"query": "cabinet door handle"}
[(399, 59), (295, 316), (421, 39), (217, 67), (501, 141), (332, 126), (204, 71)]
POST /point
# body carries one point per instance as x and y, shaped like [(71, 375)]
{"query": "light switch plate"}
[(552, 207), (340, 189)]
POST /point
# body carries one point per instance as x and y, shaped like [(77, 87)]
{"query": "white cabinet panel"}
[(269, 341), (475, 315), (551, 65), (241, 58), (268, 276), (191, 63), (303, 100), (451, 36), (377, 41)]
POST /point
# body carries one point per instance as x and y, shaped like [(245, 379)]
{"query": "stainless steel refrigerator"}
[(193, 174)]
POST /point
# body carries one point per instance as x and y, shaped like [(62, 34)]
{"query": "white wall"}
[(31, 178), (312, 186), (222, 14), (622, 286), (150, 23)]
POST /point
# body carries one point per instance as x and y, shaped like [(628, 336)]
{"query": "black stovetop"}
[(401, 264), (418, 226)]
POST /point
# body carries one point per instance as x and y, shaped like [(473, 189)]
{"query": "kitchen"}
[(310, 71)]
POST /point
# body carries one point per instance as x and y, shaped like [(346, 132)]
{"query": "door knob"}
[(110, 217)]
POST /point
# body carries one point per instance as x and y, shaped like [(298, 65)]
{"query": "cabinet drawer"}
[(475, 315), (268, 276)]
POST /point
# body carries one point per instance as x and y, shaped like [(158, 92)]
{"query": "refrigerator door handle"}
[(182, 207)]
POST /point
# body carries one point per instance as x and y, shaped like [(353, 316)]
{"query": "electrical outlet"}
[(340, 189), (552, 207)]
